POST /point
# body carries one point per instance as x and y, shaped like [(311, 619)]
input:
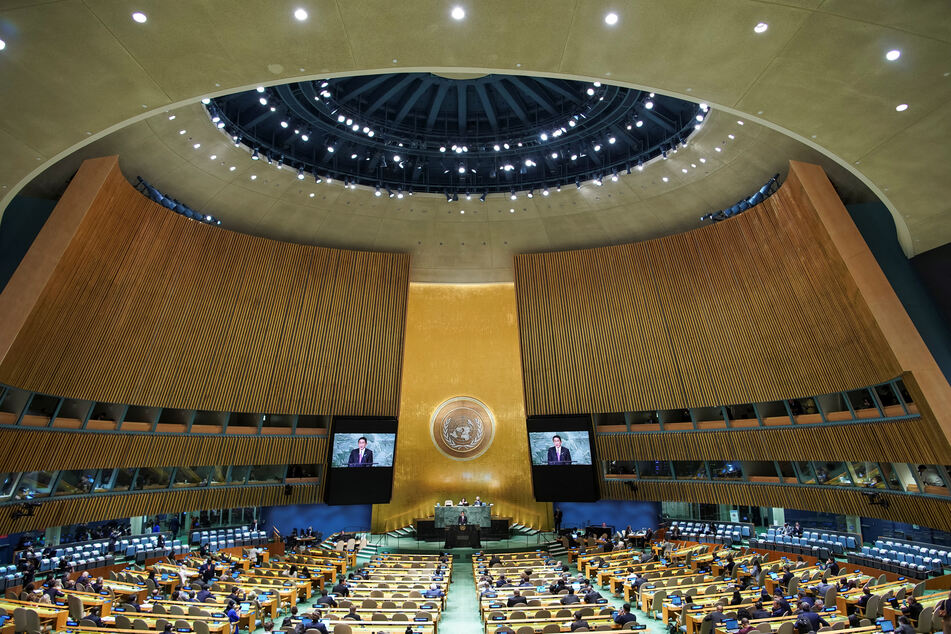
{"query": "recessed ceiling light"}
[(892, 55), (458, 13), (254, 176), (739, 122), (197, 145), (761, 27), (718, 149), (140, 17), (171, 117), (300, 14), (232, 168), (3, 45), (511, 211), (665, 179), (901, 107), (182, 131), (213, 156), (610, 19), (731, 136)]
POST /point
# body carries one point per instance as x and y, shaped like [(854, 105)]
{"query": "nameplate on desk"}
[(422, 618)]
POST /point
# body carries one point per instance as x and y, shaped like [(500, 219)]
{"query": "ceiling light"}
[(462, 169), (739, 122), (496, 147), (312, 194), (399, 194), (512, 195), (703, 160), (531, 193), (597, 147), (505, 145), (554, 155), (482, 197), (349, 121), (140, 17), (468, 196), (458, 13), (263, 101), (371, 133), (300, 173), (377, 193), (901, 107), (305, 137), (610, 19), (182, 131), (206, 101), (665, 179), (699, 117), (683, 169), (254, 155), (597, 181), (260, 88), (639, 123), (396, 157), (171, 117), (640, 166), (462, 211), (300, 14), (213, 157), (574, 157), (284, 124), (571, 123), (614, 177), (353, 156), (648, 104), (611, 140), (717, 149), (543, 136), (197, 145), (442, 148), (254, 176), (892, 55), (330, 148), (545, 192), (341, 118), (761, 27), (232, 168), (731, 136), (590, 91)]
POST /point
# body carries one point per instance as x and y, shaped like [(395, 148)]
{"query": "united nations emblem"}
[(462, 428)]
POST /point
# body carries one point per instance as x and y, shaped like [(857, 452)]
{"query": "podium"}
[(468, 535)]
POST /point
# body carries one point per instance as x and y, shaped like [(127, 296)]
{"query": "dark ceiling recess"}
[(418, 132)]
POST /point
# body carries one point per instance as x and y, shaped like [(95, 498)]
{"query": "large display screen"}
[(361, 461), (560, 447), (363, 449), (563, 460)]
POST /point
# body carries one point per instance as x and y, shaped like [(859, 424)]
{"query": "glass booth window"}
[(690, 470), (727, 470), (833, 473), (654, 469), (8, 480), (153, 478), (77, 482), (35, 484), (266, 473)]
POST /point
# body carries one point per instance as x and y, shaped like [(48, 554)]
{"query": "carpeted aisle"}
[(461, 615)]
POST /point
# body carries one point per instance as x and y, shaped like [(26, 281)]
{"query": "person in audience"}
[(352, 614), (624, 615), (55, 591), (289, 620), (204, 595), (787, 577), (495, 560), (745, 627), (904, 626), (591, 595), (800, 562), (570, 598), (832, 566), (231, 610), (674, 533), (912, 610), (236, 594), (93, 616), (341, 589), (863, 600), (324, 599), (434, 592), (579, 622), (516, 599), (557, 586), (809, 621), (737, 598), (729, 565), (717, 615), (780, 607), (802, 597), (943, 611)]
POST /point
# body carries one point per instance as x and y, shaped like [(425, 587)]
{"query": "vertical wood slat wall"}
[(107, 507), (755, 309), (919, 509), (915, 441), (149, 308), (36, 450)]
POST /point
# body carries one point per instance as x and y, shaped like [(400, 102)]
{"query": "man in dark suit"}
[(463, 520), (558, 455), (570, 598), (516, 599), (361, 456)]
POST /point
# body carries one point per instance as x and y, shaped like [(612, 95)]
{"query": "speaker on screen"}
[(361, 460), (563, 459)]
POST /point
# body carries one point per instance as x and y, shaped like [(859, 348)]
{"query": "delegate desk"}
[(447, 516)]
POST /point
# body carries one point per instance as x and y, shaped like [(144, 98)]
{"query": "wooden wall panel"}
[(914, 509), (108, 507), (30, 450), (914, 441), (149, 308), (755, 309)]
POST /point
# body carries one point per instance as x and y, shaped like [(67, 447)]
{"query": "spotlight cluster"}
[(759, 196), (167, 201)]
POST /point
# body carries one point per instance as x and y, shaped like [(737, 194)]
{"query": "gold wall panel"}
[(915, 441), (146, 307), (758, 308), (29, 450), (461, 340), (914, 509), (63, 512)]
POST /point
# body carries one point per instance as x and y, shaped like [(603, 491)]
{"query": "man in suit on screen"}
[(558, 455), (361, 456)]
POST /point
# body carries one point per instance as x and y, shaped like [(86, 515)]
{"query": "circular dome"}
[(419, 132)]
